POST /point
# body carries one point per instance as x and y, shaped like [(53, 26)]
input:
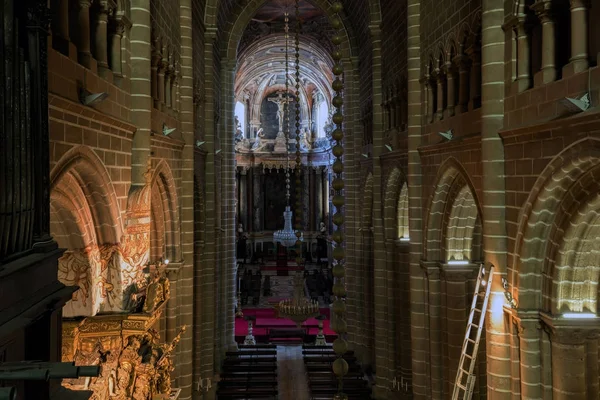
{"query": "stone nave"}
[(149, 150)]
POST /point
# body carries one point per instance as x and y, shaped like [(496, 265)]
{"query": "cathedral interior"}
[(299, 199)]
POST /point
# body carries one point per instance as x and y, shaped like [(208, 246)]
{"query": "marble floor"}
[(291, 373)]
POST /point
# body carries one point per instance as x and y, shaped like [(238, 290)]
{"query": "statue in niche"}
[(304, 140), (328, 128), (241, 243), (260, 143), (322, 241), (89, 353), (239, 135), (128, 360)]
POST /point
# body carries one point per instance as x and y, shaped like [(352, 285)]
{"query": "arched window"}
[(322, 116), (240, 113)]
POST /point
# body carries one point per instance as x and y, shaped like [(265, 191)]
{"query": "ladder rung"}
[(475, 326), (461, 386), (477, 309), (470, 340)]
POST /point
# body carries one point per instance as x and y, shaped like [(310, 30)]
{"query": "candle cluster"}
[(294, 307)]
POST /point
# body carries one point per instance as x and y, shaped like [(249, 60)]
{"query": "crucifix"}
[(280, 100)]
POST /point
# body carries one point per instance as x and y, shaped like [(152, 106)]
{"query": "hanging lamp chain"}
[(286, 110)]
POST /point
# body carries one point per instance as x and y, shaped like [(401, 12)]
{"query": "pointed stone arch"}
[(82, 166), (85, 219), (452, 181), (164, 211), (390, 211), (555, 225), (243, 12)]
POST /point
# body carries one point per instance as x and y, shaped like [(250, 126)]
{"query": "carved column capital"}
[(84, 3), (543, 9), (570, 331), (575, 4)]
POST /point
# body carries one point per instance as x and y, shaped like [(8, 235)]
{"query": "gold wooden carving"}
[(134, 364)]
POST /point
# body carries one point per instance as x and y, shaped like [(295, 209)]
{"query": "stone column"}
[(61, 39), (579, 37), (592, 367), (101, 39), (168, 82), (548, 72), (243, 199), (433, 317), (569, 364), (116, 36), (523, 55), (392, 293), (325, 191), (451, 89), (83, 36), (529, 356), (318, 196), (160, 83), (174, 84), (306, 199), (392, 111), (440, 94), (258, 199), (430, 98), (156, 63), (474, 53), (462, 62)]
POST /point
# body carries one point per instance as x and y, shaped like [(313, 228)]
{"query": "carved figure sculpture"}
[(154, 295), (128, 360), (260, 141)]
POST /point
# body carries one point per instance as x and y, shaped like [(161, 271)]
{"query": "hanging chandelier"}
[(287, 237), (299, 308)]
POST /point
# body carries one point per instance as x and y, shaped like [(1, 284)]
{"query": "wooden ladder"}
[(465, 380)]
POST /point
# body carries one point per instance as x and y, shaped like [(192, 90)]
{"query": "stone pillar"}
[(474, 53), (325, 191), (392, 111), (579, 37), (174, 84), (569, 364), (160, 83), (116, 36), (306, 200), (432, 272), (168, 82), (529, 356), (592, 367), (392, 293), (243, 199), (83, 36), (523, 56), (61, 39), (548, 72), (462, 63), (258, 199), (156, 63), (318, 196), (430, 98), (101, 39), (451, 89), (440, 94)]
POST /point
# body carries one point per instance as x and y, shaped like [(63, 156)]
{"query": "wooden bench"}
[(248, 376), (252, 353), (256, 346), (286, 333)]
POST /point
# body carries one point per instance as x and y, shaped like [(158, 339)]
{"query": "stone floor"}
[(291, 374)]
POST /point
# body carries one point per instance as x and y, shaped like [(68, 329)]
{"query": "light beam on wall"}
[(458, 262), (579, 316)]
